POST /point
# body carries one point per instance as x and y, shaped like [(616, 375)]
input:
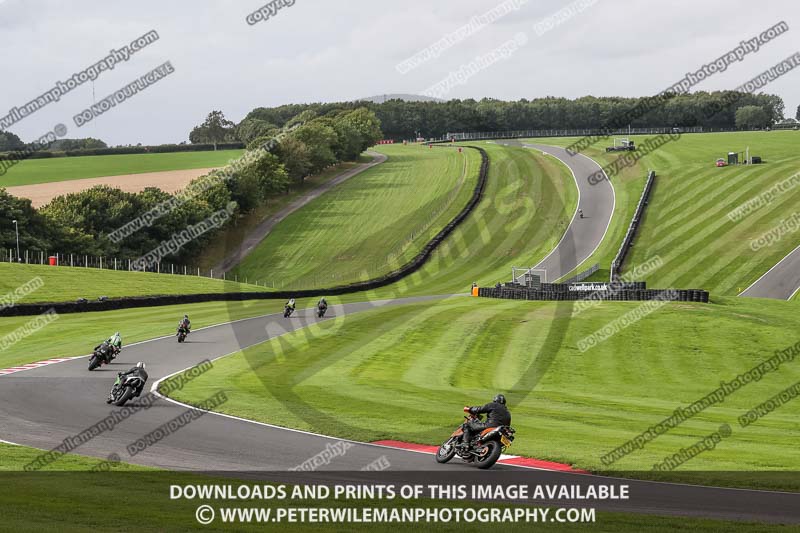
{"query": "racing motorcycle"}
[(484, 449), (124, 389), (101, 356), (182, 332), (287, 311), (321, 310)]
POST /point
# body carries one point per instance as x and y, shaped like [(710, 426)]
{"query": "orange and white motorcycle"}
[(484, 449)]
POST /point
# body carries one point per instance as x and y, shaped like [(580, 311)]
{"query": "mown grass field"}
[(371, 222), (62, 494), (74, 168), (686, 223), (527, 206), (66, 284), (230, 237), (405, 372)]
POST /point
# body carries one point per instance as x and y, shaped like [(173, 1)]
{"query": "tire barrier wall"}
[(387, 279), (627, 242), (682, 295), (564, 287)]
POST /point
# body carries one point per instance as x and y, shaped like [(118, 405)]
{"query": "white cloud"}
[(318, 50)]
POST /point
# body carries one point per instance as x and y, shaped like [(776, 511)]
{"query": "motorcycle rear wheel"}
[(442, 456), (491, 456)]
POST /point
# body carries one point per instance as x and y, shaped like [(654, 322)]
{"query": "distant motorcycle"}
[(485, 448), (102, 356), (182, 332), (321, 310), (287, 311), (124, 389)]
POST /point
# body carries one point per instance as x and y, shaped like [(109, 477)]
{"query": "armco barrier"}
[(387, 279), (513, 293), (616, 264)]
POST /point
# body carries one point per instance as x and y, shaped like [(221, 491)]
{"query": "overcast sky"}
[(323, 50)]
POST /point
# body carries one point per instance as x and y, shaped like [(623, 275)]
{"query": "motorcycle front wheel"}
[(94, 362), (125, 396), (446, 451)]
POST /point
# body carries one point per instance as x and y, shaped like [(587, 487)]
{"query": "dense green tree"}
[(252, 128), (77, 144), (320, 140), (34, 232), (96, 212), (9, 142), (751, 116), (295, 156), (215, 129), (366, 124), (264, 141)]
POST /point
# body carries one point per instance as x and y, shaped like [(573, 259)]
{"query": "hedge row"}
[(160, 149), (152, 301)]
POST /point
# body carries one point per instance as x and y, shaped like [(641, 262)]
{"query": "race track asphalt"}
[(583, 235), (780, 282), (43, 406)]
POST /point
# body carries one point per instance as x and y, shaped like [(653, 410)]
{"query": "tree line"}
[(276, 161), (10, 142), (402, 119)]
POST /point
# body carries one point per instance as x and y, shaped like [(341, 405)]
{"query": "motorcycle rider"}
[(322, 304), (115, 341), (290, 304), (185, 324), (139, 371), (497, 414)]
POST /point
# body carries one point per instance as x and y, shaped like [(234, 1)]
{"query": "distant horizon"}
[(313, 51), (391, 96)]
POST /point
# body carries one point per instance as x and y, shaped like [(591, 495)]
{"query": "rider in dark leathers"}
[(497, 414), (185, 323), (137, 370)]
